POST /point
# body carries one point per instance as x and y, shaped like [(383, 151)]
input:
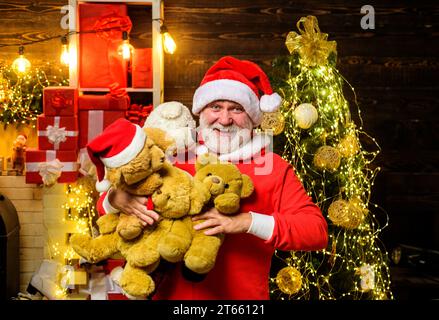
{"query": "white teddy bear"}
[(176, 120)]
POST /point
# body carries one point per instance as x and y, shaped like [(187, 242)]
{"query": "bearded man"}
[(279, 214)]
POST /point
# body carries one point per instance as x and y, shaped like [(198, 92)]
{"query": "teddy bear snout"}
[(216, 180)]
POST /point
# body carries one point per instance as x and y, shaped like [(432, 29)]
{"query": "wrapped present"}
[(117, 99), (142, 68), (138, 113), (93, 122), (60, 101), (48, 166), (57, 133), (101, 27)]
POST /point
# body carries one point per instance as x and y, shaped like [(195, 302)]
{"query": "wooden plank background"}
[(394, 69)]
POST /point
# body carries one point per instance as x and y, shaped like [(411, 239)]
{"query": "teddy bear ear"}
[(247, 186), (205, 159)]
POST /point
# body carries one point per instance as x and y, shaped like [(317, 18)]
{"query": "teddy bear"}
[(176, 120), (227, 186)]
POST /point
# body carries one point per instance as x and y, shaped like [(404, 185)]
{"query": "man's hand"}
[(220, 223), (131, 204)]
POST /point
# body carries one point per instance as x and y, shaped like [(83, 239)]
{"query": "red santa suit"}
[(243, 264)]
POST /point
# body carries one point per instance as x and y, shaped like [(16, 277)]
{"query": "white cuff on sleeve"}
[(262, 225), (108, 208)]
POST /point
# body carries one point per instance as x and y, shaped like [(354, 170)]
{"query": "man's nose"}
[(225, 119)]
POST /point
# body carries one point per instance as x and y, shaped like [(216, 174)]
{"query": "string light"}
[(169, 43), (65, 53), (21, 65), (333, 273), (125, 49), (21, 96)]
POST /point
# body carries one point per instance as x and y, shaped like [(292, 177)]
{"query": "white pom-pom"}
[(102, 186), (270, 103)]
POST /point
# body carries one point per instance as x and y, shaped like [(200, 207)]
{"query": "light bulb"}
[(21, 65), (170, 45), (65, 53), (126, 50)]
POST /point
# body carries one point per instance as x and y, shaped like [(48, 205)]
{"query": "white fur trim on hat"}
[(129, 153), (270, 103), (226, 89)]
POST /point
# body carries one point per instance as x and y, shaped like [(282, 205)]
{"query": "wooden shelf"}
[(107, 90)]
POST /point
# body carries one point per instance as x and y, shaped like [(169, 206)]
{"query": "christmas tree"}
[(325, 145)]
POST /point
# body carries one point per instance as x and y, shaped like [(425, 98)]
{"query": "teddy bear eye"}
[(226, 186), (209, 174)]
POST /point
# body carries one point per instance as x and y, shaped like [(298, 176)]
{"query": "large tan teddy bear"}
[(129, 157)]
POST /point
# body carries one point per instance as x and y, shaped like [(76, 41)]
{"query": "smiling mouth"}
[(222, 132)]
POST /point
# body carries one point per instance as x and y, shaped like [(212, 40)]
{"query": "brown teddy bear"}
[(227, 187)]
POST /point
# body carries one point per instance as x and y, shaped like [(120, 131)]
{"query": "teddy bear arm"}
[(136, 282), (227, 203), (143, 251), (247, 186), (175, 243), (107, 223), (200, 195), (129, 226), (95, 249), (201, 256)]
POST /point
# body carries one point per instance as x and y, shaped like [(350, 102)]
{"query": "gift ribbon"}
[(95, 124), (55, 134), (60, 101), (111, 26), (311, 44)]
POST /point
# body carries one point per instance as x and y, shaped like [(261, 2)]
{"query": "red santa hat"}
[(117, 145), (240, 81)]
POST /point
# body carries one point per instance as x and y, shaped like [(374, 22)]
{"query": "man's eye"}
[(215, 107), (238, 110)]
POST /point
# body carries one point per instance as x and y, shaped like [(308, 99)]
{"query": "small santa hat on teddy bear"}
[(117, 145), (240, 81)]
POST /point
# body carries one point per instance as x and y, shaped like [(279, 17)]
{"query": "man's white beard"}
[(224, 139)]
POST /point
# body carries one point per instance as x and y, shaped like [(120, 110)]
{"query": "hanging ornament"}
[(327, 158), (306, 115), (348, 146), (274, 121), (347, 214), (289, 280), (311, 45), (367, 277)]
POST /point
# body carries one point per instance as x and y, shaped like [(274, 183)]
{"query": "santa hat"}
[(240, 81), (117, 145)]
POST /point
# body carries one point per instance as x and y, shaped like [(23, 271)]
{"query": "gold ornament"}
[(346, 214), (328, 158), (311, 44), (289, 280), (306, 115), (348, 146), (274, 121)]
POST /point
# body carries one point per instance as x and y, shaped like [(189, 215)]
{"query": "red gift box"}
[(57, 133), (93, 122), (103, 102), (116, 296), (142, 68), (36, 161), (99, 63), (60, 101)]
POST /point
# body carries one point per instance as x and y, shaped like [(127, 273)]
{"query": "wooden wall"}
[(393, 68)]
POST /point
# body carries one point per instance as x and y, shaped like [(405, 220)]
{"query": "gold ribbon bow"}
[(310, 44)]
